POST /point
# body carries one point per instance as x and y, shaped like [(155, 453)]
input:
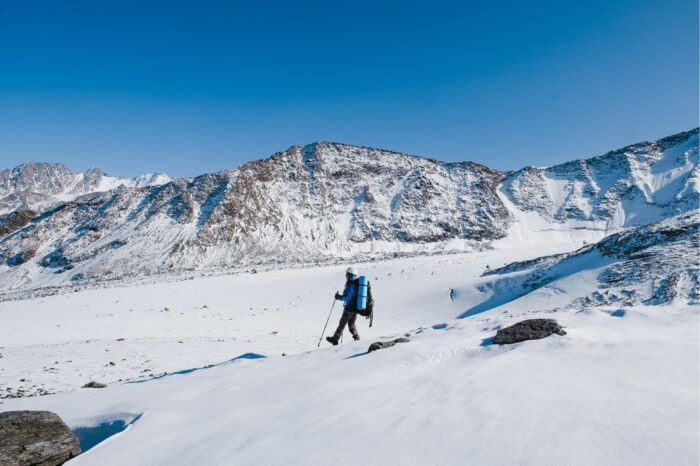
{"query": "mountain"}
[(40, 186), (635, 185), (328, 201)]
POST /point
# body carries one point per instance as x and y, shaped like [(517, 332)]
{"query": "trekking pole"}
[(324, 327)]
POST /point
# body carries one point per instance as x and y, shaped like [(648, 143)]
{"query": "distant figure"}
[(349, 297)]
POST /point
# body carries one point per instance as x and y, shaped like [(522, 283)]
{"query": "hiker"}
[(350, 310)]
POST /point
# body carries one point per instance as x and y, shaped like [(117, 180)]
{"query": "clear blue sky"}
[(199, 86)]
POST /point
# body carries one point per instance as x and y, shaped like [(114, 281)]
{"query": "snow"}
[(212, 294), (217, 316), (674, 163), (530, 229), (614, 390)]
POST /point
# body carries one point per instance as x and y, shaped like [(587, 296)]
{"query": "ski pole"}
[(324, 327)]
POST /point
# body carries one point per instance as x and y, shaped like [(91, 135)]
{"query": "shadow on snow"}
[(93, 435), (513, 286), (195, 369)]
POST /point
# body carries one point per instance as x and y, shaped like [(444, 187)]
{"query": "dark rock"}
[(377, 345), (55, 260), (531, 329), (20, 258), (35, 438), (15, 220), (94, 385)]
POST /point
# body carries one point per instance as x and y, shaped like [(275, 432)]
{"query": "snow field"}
[(620, 388)]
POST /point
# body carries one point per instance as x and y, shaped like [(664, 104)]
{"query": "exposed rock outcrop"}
[(531, 329), (94, 385), (377, 345), (35, 438)]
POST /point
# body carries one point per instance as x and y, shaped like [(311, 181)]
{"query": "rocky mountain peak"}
[(40, 186)]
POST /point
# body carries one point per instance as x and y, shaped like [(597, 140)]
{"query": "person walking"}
[(349, 297)]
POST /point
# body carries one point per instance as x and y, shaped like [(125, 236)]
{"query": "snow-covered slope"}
[(41, 186), (327, 202), (600, 395), (269, 312), (653, 264)]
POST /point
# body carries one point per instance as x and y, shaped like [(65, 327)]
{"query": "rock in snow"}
[(531, 329), (377, 345), (94, 385), (35, 438)]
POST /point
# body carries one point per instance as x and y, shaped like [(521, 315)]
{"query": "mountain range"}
[(323, 202), (41, 186)]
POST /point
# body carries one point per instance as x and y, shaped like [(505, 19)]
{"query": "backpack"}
[(364, 303)]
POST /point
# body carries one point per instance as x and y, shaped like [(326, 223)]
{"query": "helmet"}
[(351, 271)]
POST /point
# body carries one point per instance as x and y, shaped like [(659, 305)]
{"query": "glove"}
[(337, 296)]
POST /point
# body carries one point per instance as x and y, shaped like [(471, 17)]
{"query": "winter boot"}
[(356, 337), (333, 340)]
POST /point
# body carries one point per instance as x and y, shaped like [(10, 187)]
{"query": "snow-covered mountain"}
[(40, 186), (329, 201), (635, 185)]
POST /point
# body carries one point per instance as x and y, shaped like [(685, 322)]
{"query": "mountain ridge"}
[(327, 200), (651, 142), (40, 186)]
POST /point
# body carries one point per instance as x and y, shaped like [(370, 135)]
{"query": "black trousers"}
[(348, 318)]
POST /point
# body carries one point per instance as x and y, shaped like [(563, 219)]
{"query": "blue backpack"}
[(364, 302)]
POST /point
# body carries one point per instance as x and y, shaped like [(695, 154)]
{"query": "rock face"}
[(531, 329), (320, 202), (15, 220), (377, 345), (35, 438)]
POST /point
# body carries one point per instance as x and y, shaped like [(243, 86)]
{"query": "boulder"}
[(94, 385), (377, 345), (531, 329), (35, 437)]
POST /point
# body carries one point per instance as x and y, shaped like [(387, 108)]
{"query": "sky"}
[(193, 87)]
